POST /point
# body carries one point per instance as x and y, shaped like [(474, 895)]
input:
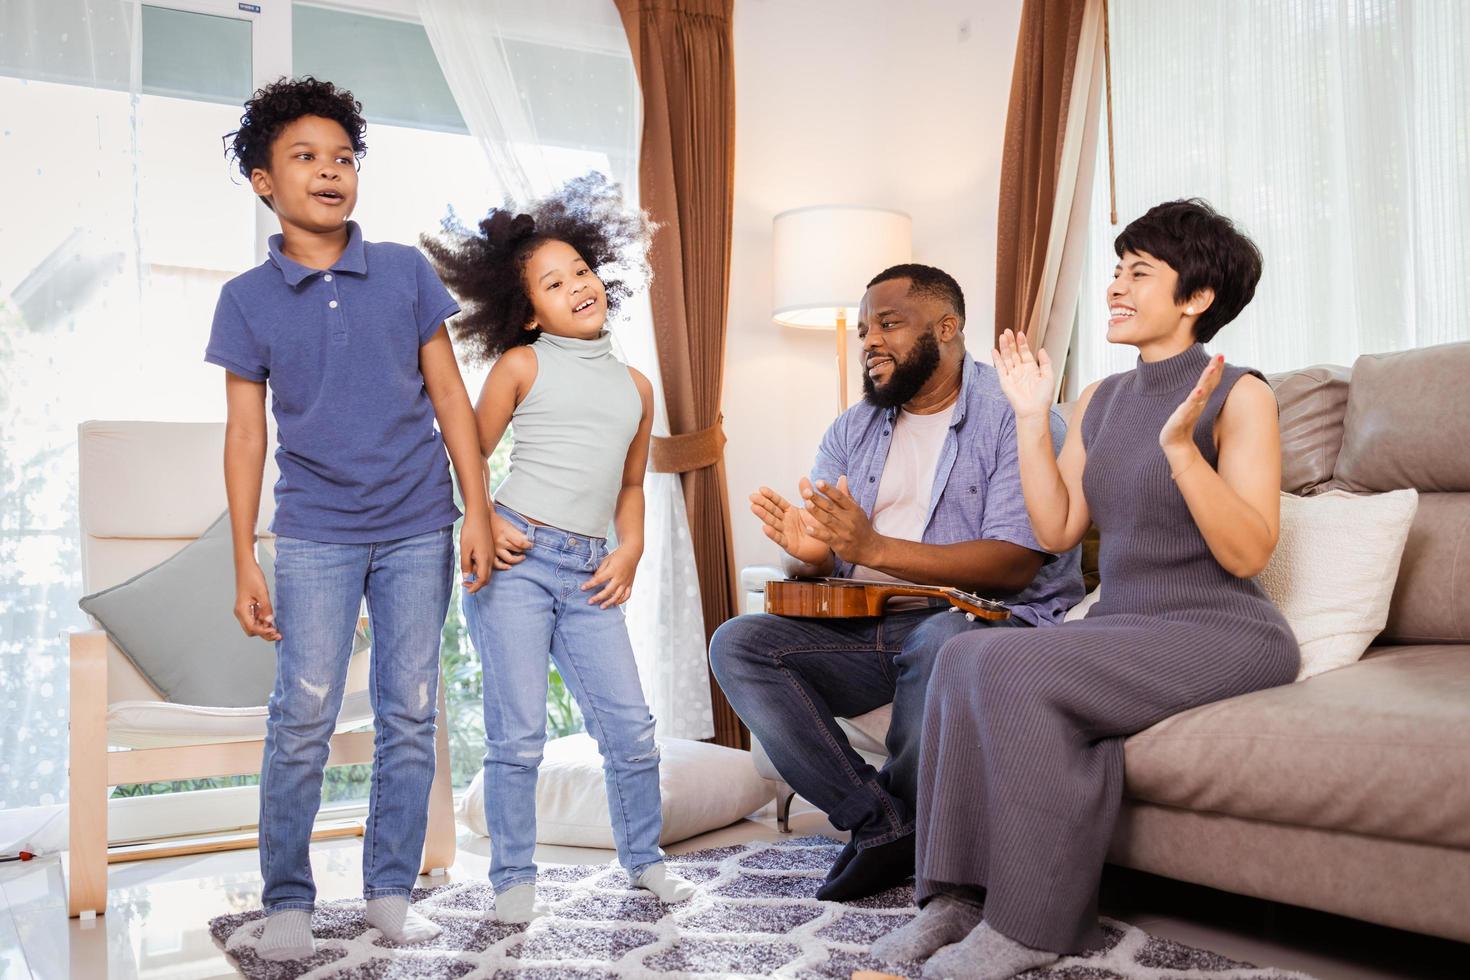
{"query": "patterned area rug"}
[(755, 915)]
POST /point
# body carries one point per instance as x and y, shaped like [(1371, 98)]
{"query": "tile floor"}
[(158, 912)]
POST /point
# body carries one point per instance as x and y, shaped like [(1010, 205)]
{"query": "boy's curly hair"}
[(485, 266), (281, 103)]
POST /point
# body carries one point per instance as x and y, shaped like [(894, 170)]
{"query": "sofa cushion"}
[(1312, 403), (1381, 747), (1431, 599), (1407, 422)]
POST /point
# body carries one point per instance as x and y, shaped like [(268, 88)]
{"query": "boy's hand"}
[(510, 543), (615, 575), (253, 604), (476, 552)]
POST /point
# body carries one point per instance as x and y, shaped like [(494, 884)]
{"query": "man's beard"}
[(908, 375)]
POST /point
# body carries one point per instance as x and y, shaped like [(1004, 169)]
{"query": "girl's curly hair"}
[(485, 267), (281, 103)]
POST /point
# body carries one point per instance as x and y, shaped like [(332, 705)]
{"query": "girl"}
[(1179, 463), (535, 303)]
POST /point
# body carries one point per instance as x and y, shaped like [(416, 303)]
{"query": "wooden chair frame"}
[(93, 768)]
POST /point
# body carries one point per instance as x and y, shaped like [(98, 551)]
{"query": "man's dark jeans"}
[(789, 679)]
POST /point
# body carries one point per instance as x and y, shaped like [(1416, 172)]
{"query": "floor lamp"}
[(824, 257)]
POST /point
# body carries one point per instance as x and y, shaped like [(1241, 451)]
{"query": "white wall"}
[(870, 102)]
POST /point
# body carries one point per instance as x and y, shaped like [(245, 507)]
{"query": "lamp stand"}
[(842, 356)]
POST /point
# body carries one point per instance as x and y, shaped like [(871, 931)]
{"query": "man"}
[(917, 483)]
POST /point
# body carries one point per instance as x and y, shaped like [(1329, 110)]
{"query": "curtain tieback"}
[(689, 451)]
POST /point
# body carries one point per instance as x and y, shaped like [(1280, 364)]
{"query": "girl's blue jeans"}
[(319, 591), (537, 610)]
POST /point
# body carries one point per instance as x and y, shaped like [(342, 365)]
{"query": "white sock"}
[(287, 936), (669, 889), (518, 904), (392, 917)]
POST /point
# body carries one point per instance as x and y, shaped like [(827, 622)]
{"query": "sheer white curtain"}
[(71, 289), (1334, 132), (548, 90)]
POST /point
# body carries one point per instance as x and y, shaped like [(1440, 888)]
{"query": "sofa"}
[(1347, 792)]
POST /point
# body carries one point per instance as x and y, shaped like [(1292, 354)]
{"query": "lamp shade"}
[(825, 255)]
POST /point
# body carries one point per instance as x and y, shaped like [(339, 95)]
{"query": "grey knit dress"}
[(1021, 772)]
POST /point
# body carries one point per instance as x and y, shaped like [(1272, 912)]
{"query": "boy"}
[(351, 336)]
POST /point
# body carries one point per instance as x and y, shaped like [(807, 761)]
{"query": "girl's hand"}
[(615, 575), (253, 604), (510, 543), (1026, 380), (476, 552), (782, 523), (1176, 438)]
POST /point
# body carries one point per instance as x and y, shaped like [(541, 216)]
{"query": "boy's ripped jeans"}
[(319, 590), (535, 610)]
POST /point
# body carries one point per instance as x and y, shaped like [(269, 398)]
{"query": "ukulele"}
[(824, 598)]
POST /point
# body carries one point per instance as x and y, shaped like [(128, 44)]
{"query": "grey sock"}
[(669, 889), (518, 904), (985, 955), (392, 917), (287, 936), (942, 921)]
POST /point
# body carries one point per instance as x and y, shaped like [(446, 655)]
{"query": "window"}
[(1334, 133), (120, 228)]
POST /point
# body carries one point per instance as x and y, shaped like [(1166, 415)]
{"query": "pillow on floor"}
[(703, 787), (1333, 571)]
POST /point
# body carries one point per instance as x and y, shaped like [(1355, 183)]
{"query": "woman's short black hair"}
[(1206, 250), (485, 266), (281, 103)]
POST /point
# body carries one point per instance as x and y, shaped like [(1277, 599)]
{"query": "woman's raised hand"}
[(1177, 435), (1025, 379)]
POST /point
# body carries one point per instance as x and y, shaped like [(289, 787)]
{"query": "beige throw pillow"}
[(1333, 571)]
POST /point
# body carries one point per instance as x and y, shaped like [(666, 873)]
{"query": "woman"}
[(1178, 462)]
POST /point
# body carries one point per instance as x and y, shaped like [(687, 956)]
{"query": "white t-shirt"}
[(902, 507)]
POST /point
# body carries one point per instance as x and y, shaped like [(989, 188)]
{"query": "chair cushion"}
[(703, 787), (159, 724), (1381, 747), (176, 623)]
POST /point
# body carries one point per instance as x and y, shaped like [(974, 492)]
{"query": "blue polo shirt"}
[(360, 458), (977, 485)]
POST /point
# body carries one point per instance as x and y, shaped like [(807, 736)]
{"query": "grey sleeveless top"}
[(1153, 558), (572, 433)]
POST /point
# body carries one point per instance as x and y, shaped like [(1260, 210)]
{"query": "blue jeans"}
[(319, 591), (534, 610), (789, 679)]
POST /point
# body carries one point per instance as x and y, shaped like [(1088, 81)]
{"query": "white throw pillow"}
[(1334, 568), (1080, 610), (703, 787)]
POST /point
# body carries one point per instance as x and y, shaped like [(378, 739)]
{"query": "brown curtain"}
[(1032, 163), (683, 54)]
